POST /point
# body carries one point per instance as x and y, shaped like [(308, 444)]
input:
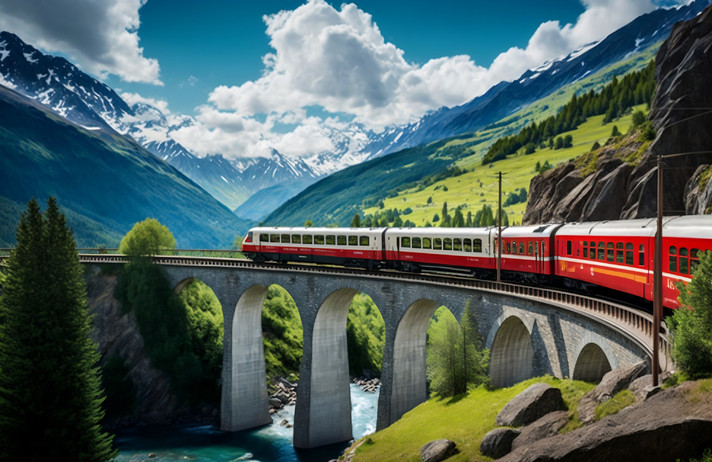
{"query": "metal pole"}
[(658, 277), (499, 232)]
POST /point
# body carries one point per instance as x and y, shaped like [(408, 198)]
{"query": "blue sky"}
[(258, 75)]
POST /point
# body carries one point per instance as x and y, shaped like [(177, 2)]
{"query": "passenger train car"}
[(616, 255)]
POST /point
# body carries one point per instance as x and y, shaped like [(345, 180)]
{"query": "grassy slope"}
[(479, 186), (465, 422)]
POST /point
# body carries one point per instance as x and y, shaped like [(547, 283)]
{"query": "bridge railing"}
[(632, 322)]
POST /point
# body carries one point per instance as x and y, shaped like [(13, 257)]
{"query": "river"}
[(271, 443)]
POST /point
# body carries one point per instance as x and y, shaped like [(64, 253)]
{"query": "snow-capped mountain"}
[(506, 98)]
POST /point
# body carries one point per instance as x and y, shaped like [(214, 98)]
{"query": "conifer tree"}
[(50, 395)]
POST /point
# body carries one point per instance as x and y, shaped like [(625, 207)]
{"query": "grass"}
[(621, 400), (479, 185), (465, 421)]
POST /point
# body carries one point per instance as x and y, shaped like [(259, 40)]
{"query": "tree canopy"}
[(148, 237), (50, 395)]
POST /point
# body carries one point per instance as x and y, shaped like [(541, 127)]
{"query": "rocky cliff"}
[(623, 184), (117, 334)]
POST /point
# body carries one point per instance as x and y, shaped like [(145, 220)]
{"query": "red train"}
[(616, 255)]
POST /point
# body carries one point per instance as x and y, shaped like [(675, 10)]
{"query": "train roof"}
[(684, 226), (440, 232), (696, 226), (544, 230), (316, 230)]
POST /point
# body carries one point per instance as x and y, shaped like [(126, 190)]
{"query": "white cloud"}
[(338, 60), (134, 98), (99, 35)]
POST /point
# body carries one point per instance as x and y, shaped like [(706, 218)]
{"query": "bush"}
[(691, 323)]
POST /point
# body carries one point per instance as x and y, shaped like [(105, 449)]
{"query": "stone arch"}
[(591, 364), (409, 366), (511, 353)]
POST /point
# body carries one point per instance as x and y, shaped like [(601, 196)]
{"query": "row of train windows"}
[(613, 252), (682, 261), (436, 243), (317, 239), (523, 248)]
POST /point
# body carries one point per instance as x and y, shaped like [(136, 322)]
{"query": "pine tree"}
[(50, 396)]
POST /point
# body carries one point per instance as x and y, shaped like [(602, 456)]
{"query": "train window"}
[(330, 239), (629, 254), (319, 240), (601, 250), (521, 248), (296, 239), (610, 251), (447, 244), (694, 259), (427, 243), (585, 249), (619, 252), (684, 262), (363, 241), (467, 244), (592, 245), (405, 242), (568, 247), (307, 239), (672, 258), (514, 247), (507, 248), (285, 239), (437, 244), (353, 240), (641, 255), (416, 242), (264, 237), (341, 240), (457, 244), (274, 237), (529, 249), (543, 248)]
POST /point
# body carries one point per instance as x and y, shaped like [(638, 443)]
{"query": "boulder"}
[(666, 427), (547, 426), (611, 383), (498, 442), (437, 450), (276, 403), (531, 404)]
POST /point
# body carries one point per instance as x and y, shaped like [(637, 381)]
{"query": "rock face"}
[(547, 426), (667, 426), (611, 383), (618, 190), (437, 450), (531, 404), (117, 334)]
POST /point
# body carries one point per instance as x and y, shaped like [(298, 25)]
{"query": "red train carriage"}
[(684, 238), (619, 254), (529, 249), (339, 246), (439, 248)]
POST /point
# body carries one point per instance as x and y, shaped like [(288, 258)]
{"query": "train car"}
[(411, 249), (684, 238), (529, 250), (338, 246), (619, 254)]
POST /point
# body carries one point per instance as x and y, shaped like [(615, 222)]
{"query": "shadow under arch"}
[(591, 364), (511, 353), (409, 361)]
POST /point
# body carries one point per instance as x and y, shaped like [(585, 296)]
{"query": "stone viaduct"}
[(529, 332)]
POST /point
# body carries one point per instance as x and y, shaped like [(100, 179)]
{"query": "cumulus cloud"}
[(135, 98), (339, 61), (99, 35)]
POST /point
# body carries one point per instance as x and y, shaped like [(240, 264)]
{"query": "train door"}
[(537, 257)]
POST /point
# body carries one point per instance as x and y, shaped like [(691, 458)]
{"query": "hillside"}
[(400, 179), (103, 181)]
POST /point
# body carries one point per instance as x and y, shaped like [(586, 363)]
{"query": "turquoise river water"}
[(272, 443)]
